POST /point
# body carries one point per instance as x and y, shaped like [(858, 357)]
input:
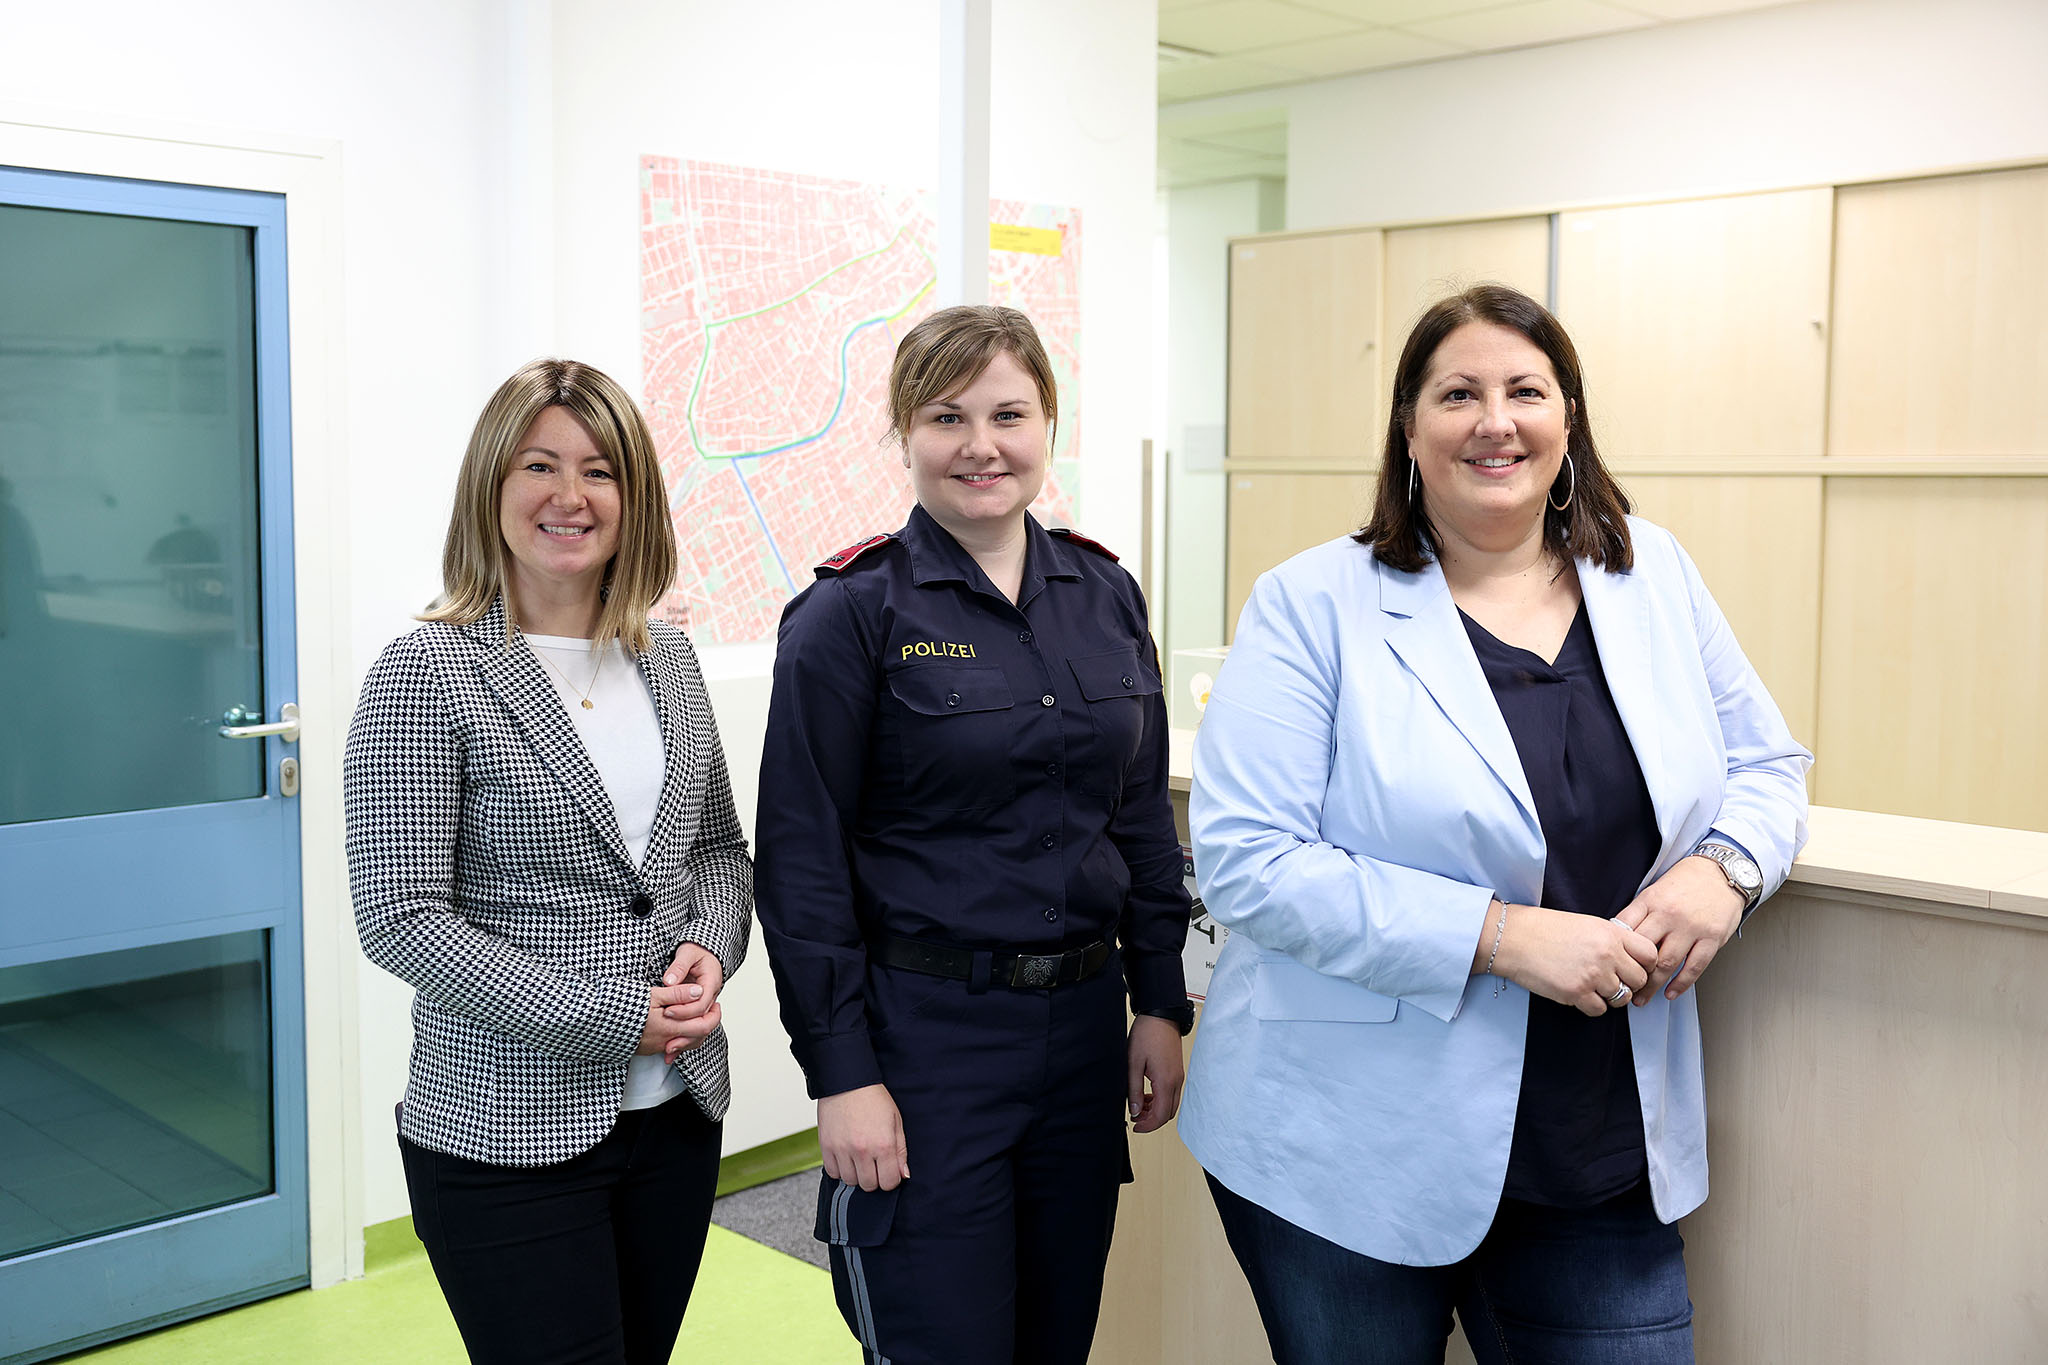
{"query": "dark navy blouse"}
[(1579, 1124)]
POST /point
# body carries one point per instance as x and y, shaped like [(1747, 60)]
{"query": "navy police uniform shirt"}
[(943, 765)]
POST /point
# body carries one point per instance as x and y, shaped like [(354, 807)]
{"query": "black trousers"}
[(1013, 1110), (590, 1260)]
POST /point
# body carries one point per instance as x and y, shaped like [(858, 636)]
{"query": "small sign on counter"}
[(1205, 936)]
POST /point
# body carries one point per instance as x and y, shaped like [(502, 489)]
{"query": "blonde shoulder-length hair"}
[(473, 560)]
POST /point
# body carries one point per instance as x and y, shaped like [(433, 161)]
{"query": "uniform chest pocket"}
[(954, 732), (1117, 687)]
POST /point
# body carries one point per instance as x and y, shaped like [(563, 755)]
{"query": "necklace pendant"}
[(589, 705)]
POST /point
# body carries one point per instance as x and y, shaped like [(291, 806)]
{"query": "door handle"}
[(285, 728)]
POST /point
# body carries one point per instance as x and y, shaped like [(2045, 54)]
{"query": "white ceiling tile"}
[(1205, 123), (1185, 149), (1363, 51), (1693, 9), (1523, 25), (1234, 26), (1270, 140), (1174, 172), (1220, 77), (1188, 163), (1394, 11)]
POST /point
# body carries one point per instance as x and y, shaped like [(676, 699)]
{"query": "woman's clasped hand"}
[(1690, 913), (683, 1010), (1576, 960)]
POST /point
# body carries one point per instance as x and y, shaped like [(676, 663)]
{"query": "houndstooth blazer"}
[(488, 871)]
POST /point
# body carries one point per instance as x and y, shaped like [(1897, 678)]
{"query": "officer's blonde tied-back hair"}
[(948, 351), (473, 561)]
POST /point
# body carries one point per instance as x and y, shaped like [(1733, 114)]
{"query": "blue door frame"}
[(97, 883)]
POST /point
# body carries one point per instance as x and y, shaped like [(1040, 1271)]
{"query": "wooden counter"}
[(1877, 1101)]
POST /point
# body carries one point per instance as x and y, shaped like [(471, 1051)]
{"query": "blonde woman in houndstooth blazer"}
[(542, 841)]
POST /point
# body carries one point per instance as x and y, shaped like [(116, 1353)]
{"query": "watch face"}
[(1741, 870)]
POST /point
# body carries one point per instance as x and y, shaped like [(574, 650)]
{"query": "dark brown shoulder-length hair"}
[(1594, 524)]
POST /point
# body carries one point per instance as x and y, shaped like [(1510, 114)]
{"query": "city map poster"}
[(771, 305)]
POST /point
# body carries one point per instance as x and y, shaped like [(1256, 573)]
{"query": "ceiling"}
[(1218, 47)]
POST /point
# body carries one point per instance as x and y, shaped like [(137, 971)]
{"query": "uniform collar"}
[(935, 557)]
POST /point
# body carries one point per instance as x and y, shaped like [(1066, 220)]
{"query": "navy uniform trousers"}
[(1013, 1113)]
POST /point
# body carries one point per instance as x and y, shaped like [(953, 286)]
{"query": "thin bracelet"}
[(1498, 930)]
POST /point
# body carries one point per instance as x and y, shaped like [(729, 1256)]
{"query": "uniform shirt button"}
[(1127, 682), (952, 699), (641, 906), (1048, 841), (1046, 700), (1052, 769), (1051, 914), (1023, 637)]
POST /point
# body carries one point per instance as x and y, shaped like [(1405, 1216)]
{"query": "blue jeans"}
[(1598, 1286)]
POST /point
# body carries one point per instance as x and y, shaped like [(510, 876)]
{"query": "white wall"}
[(1200, 221), (1799, 95)]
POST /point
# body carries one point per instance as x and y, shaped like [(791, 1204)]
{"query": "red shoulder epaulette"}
[(1069, 533), (837, 563)]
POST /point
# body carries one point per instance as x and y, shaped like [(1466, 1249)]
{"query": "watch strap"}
[(1720, 855)]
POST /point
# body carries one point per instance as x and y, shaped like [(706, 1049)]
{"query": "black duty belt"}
[(1024, 971)]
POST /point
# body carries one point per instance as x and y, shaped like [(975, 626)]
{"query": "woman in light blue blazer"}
[(1480, 792)]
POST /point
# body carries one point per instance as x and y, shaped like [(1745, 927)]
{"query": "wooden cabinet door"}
[(1702, 325), (1275, 516), (1934, 642), (1304, 338), (1425, 264), (1756, 542), (1940, 290)]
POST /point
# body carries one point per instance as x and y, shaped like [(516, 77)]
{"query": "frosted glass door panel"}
[(103, 1127), (129, 592)]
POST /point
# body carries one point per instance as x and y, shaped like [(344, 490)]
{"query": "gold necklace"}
[(588, 704)]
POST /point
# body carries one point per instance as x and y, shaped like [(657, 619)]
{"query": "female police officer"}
[(965, 852)]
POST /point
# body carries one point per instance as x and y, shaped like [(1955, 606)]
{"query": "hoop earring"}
[(1411, 480), (1571, 486)]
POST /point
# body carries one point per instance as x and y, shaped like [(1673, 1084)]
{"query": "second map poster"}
[(771, 305)]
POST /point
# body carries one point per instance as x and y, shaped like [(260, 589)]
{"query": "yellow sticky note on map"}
[(1017, 237)]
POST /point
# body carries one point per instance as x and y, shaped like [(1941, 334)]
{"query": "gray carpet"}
[(781, 1214)]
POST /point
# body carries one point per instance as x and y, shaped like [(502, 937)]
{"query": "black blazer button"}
[(641, 906)]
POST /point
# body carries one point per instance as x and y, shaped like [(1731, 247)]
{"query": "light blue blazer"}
[(1358, 802)]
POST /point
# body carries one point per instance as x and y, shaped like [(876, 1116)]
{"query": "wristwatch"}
[(1742, 874)]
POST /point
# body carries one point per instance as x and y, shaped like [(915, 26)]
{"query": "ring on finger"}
[(1621, 993)]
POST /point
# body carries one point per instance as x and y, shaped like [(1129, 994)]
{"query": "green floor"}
[(751, 1304)]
